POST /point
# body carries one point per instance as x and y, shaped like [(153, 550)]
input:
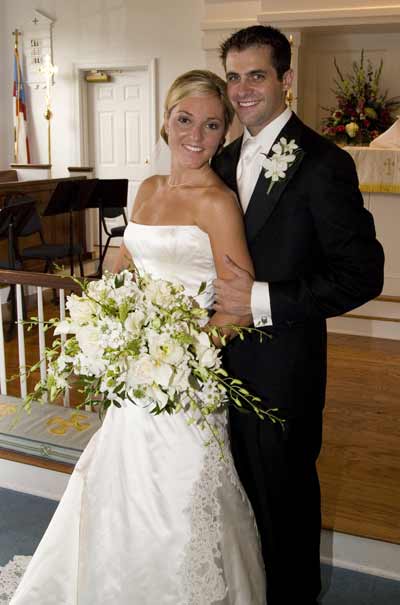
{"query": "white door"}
[(119, 130)]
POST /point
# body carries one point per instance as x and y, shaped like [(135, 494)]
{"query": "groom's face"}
[(255, 91)]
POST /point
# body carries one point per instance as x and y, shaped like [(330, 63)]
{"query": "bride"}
[(151, 515)]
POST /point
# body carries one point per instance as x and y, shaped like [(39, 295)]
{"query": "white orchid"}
[(275, 166)]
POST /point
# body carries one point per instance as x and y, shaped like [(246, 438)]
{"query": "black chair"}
[(50, 253), (12, 220), (109, 212), (110, 197)]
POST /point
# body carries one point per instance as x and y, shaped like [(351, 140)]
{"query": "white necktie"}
[(247, 172)]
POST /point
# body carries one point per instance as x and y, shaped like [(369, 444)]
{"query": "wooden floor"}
[(360, 460)]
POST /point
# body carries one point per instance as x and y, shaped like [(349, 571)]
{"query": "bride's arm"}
[(221, 217), (123, 261)]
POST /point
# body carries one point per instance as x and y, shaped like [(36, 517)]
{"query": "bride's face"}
[(195, 129)]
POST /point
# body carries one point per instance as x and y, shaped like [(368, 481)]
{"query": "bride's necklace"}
[(172, 185)]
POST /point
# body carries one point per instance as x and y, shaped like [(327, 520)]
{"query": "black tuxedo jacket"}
[(314, 242)]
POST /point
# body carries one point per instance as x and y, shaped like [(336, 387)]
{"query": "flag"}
[(21, 143)]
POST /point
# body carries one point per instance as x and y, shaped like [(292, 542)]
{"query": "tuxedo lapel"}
[(228, 163), (262, 203)]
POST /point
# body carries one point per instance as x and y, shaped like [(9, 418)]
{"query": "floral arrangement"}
[(141, 340), (276, 165), (362, 112)]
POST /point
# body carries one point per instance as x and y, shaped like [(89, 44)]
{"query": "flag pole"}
[(16, 33)]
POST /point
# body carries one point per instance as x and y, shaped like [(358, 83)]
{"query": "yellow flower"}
[(370, 113), (352, 128)]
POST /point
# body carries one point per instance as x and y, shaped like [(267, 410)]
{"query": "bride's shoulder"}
[(153, 183), (218, 203), (218, 194)]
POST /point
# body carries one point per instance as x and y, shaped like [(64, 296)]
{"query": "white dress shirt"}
[(248, 171)]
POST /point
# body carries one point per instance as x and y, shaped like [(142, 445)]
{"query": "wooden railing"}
[(39, 282)]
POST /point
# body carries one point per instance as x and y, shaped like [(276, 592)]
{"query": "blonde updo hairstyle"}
[(195, 83)]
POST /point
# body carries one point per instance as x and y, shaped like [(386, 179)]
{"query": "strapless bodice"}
[(176, 253)]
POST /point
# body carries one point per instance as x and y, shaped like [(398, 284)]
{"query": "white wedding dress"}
[(151, 515)]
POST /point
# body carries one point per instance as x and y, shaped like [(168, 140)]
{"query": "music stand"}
[(105, 193), (66, 199)]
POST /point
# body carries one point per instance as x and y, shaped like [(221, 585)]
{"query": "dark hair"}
[(261, 35), (194, 83)]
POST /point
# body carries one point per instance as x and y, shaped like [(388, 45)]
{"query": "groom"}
[(315, 256)]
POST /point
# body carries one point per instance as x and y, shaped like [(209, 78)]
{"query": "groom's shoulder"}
[(227, 156), (231, 148), (319, 147)]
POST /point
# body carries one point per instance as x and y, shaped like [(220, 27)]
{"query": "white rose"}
[(134, 321), (164, 348), (143, 371), (80, 309), (159, 292), (88, 338)]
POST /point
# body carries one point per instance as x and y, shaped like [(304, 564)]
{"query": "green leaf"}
[(202, 287)]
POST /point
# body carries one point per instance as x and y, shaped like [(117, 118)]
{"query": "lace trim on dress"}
[(10, 577), (201, 571)]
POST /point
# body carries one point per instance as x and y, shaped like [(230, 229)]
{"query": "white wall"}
[(4, 89), (97, 30)]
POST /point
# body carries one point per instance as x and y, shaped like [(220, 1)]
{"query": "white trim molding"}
[(323, 17), (361, 554)]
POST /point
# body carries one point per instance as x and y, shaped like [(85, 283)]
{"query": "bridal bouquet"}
[(143, 342)]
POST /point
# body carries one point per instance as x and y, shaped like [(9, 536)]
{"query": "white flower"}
[(352, 128), (134, 322), (158, 395), (288, 147), (276, 166), (80, 309), (143, 371), (159, 292), (206, 353), (88, 338), (164, 348), (65, 327), (180, 379)]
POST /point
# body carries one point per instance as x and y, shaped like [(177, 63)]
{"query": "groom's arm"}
[(352, 272), (351, 269)]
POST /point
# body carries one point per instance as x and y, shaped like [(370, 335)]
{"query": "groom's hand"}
[(233, 296)]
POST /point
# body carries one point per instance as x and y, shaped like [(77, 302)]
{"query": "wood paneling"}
[(55, 228), (360, 460), (8, 175)]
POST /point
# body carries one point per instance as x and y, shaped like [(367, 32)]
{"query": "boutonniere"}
[(276, 165)]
